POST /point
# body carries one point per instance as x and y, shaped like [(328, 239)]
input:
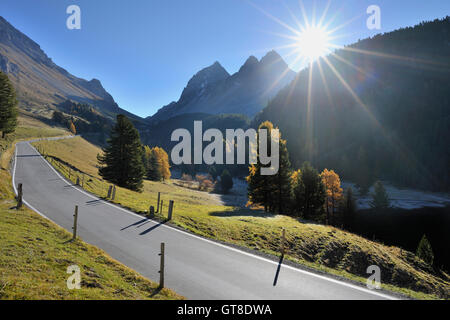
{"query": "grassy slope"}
[(320, 247), (35, 253)]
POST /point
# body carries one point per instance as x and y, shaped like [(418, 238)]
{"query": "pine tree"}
[(154, 168), (121, 162), (309, 192), (226, 181), (260, 187), (282, 180), (424, 251), (380, 199), (349, 209), (8, 106)]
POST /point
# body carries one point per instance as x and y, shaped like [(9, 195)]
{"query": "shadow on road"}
[(153, 228), (94, 202), (135, 224), (278, 270), (29, 156)]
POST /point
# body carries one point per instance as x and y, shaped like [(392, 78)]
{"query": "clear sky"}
[(145, 51)]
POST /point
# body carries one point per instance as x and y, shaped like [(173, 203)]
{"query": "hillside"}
[(35, 253), (323, 248), (378, 109), (214, 91), (41, 85)]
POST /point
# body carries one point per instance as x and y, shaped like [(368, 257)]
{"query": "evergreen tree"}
[(226, 181), (260, 187), (380, 199), (282, 181), (121, 162), (309, 192), (8, 106), (424, 251), (213, 172), (349, 209), (154, 168)]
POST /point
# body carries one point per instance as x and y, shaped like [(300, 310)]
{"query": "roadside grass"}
[(35, 252), (322, 248)]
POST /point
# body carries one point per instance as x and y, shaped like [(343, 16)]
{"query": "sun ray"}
[(299, 25), (274, 84), (305, 16), (359, 69), (391, 56), (309, 122), (325, 11), (281, 23), (324, 81), (342, 25)]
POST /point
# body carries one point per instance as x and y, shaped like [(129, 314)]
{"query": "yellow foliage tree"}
[(72, 128), (163, 159), (332, 184)]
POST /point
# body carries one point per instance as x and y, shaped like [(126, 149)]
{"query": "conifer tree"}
[(424, 250), (380, 199), (309, 192), (154, 167), (121, 161), (226, 181), (8, 106), (260, 187), (282, 180), (349, 209)]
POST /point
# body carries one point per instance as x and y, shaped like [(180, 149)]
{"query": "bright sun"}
[(313, 43)]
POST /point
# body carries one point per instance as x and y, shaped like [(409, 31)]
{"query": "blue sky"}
[(145, 51)]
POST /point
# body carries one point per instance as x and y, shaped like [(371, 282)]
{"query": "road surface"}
[(195, 267)]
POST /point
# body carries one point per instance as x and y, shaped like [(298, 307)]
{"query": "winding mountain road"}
[(196, 268)]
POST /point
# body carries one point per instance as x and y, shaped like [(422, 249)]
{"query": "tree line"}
[(8, 106), (305, 192)]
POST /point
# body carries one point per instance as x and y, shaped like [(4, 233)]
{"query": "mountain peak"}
[(271, 57), (202, 79)]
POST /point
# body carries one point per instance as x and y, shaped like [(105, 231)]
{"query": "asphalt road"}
[(195, 267)]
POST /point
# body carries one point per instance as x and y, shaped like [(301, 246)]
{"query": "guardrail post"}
[(151, 212), (113, 193), (161, 269), (171, 202), (78, 181), (159, 198), (283, 241), (75, 220), (109, 192), (19, 196)]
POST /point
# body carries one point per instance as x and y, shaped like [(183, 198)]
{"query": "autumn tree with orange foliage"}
[(332, 183), (157, 163), (72, 128)]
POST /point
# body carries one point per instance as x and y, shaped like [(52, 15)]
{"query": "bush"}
[(424, 251), (226, 181)]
